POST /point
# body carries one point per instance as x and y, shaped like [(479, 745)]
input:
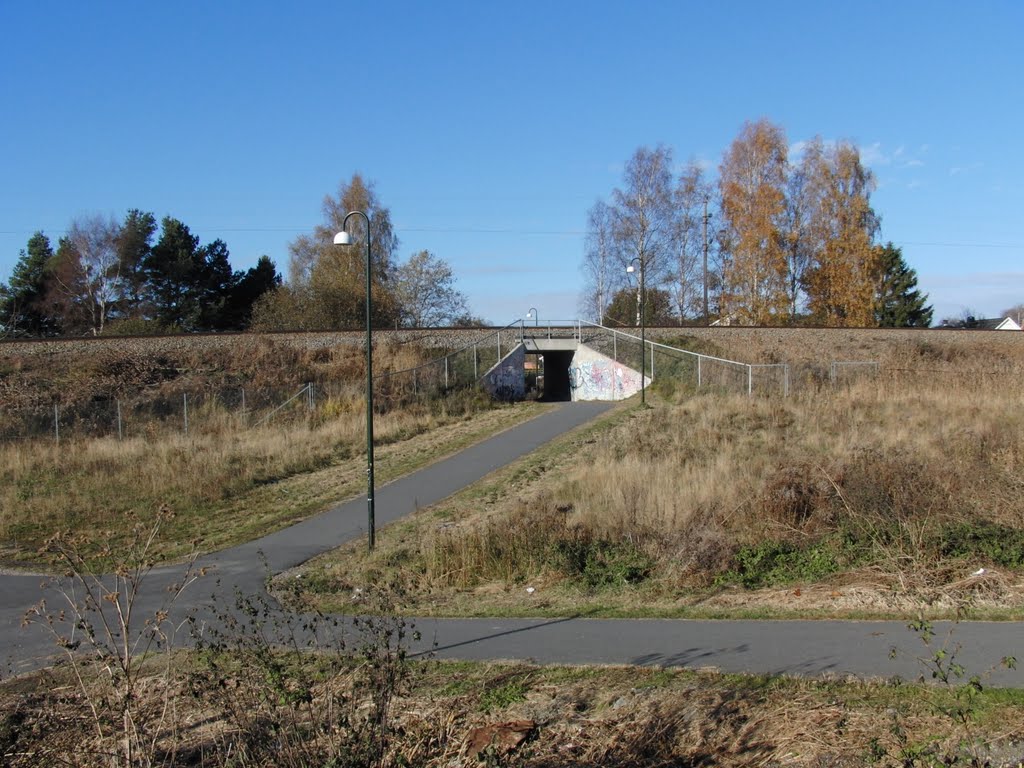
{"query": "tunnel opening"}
[(550, 372)]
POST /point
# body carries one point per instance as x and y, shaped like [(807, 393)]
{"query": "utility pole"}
[(706, 316)]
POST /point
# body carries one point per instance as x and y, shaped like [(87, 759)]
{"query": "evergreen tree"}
[(249, 287), (134, 243), (898, 303), (22, 300), (171, 268), (212, 285), (621, 311)]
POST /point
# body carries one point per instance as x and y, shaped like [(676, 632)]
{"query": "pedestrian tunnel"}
[(560, 370)]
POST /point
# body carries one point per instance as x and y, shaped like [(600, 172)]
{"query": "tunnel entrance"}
[(552, 375)]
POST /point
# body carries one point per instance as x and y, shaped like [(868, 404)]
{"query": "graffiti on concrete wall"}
[(507, 379), (593, 376)]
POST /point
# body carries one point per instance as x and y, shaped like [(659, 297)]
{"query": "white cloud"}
[(873, 154)]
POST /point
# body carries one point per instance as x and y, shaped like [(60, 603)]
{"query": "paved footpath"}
[(814, 648)]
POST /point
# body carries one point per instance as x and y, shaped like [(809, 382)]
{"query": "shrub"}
[(600, 562), (995, 543), (771, 563)]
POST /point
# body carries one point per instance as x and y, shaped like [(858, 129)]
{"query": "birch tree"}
[(307, 251), (802, 236), (328, 280), (752, 184), (841, 279), (600, 265), (643, 216), (89, 273), (691, 199), (426, 293)]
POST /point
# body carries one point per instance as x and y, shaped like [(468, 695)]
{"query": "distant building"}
[(983, 324), (998, 324)]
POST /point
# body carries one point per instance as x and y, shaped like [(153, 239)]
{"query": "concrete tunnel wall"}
[(506, 380), (594, 376)]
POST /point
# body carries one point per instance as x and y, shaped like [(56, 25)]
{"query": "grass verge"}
[(226, 487)]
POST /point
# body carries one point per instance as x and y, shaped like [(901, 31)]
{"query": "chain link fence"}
[(672, 367), (194, 412)]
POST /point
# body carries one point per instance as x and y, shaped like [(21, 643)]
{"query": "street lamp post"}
[(643, 328), (343, 238), (532, 313)]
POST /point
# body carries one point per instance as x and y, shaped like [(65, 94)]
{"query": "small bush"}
[(600, 562), (772, 563), (987, 541)]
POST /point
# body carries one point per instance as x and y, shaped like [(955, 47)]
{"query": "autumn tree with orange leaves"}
[(841, 278), (753, 191), (795, 237)]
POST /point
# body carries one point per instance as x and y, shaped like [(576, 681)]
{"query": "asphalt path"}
[(870, 650)]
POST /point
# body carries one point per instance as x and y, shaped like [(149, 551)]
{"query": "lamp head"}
[(630, 269), (343, 238)]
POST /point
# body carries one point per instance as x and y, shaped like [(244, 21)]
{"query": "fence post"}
[(56, 422), (652, 362), (446, 373), (476, 375), (415, 389), (750, 380), (120, 430), (244, 420), (699, 358), (309, 397), (499, 346), (615, 346), (785, 380), (185, 401)]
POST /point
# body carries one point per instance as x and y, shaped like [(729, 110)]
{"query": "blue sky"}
[(490, 128)]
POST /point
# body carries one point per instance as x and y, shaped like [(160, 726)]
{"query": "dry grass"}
[(225, 486), (889, 493), (237, 474), (598, 716)]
